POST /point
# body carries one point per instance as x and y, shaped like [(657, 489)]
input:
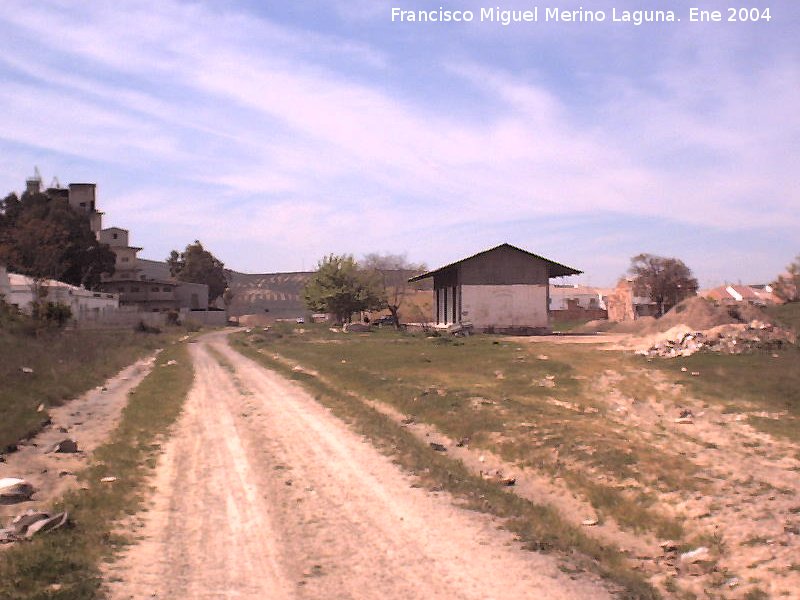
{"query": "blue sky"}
[(278, 132)]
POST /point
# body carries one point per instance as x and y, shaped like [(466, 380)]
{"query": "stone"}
[(66, 446)]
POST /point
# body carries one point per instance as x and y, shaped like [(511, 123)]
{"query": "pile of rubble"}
[(726, 339)]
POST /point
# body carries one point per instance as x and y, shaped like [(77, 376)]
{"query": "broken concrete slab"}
[(13, 490)]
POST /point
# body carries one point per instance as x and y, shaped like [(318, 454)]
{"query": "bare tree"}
[(666, 281), (392, 272)]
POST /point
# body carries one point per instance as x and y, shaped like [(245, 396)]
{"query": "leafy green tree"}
[(666, 281), (198, 265), (787, 286), (44, 238), (341, 287), (392, 272)]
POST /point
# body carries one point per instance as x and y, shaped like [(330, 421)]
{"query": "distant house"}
[(570, 303), (503, 289), (759, 295)]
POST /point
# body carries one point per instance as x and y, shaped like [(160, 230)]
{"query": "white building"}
[(19, 290)]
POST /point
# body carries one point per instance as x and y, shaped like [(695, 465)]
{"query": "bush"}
[(143, 327), (52, 313)]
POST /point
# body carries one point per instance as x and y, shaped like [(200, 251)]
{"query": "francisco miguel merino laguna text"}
[(532, 15)]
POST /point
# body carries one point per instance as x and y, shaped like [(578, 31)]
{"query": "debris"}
[(696, 555), (30, 523), (462, 442), (499, 375), (732, 582), (438, 447), (109, 479), (589, 522), (356, 328), (26, 370), (47, 524), (408, 421), (737, 338), (333, 329), (13, 490)]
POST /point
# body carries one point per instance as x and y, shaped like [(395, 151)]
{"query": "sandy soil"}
[(88, 420), (261, 493)]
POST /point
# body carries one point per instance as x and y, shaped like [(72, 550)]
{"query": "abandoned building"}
[(140, 285), (503, 289)]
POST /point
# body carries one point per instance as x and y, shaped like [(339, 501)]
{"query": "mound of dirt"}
[(640, 326), (696, 313), (595, 326)]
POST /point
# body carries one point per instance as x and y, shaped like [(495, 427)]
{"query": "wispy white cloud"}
[(239, 127)]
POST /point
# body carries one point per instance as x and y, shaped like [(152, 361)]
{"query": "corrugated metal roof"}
[(554, 269)]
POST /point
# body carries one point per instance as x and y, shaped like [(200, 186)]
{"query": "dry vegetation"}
[(44, 367), (591, 435), (63, 564)]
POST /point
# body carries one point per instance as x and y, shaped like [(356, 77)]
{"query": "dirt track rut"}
[(262, 493)]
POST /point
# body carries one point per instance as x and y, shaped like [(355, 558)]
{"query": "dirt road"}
[(262, 493)]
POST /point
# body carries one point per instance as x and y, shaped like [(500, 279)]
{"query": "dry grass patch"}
[(63, 364)]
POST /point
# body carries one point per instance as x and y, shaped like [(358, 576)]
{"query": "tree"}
[(341, 287), (666, 281), (44, 238), (392, 272), (787, 286), (198, 265)]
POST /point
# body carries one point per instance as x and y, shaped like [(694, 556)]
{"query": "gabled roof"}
[(554, 269)]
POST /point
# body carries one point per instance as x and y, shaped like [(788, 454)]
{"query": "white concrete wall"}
[(84, 304), (504, 306)]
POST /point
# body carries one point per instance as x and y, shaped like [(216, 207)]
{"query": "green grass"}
[(415, 386), (63, 564), (65, 364)]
